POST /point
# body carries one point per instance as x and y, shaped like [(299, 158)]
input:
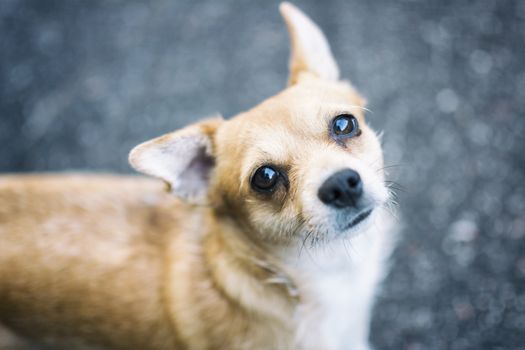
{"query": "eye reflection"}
[(345, 125)]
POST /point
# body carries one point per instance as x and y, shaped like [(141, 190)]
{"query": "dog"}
[(272, 234)]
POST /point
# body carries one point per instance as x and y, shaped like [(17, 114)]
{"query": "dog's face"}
[(302, 165)]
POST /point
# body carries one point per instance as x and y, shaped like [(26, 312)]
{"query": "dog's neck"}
[(295, 286), (246, 269), (288, 270)]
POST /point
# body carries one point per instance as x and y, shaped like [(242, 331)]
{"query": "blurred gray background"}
[(82, 82)]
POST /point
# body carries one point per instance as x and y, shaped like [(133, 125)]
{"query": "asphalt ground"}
[(82, 82)]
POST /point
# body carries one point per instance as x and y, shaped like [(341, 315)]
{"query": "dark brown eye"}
[(264, 179), (345, 125)]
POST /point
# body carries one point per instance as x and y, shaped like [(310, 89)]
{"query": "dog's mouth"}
[(359, 218)]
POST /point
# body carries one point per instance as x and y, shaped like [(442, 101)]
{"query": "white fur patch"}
[(338, 282)]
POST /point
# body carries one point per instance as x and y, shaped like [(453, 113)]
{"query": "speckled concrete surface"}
[(81, 82)]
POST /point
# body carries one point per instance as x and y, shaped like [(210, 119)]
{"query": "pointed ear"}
[(310, 51), (184, 159)]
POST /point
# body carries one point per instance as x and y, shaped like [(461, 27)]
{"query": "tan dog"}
[(277, 244)]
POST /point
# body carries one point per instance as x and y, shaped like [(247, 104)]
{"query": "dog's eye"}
[(264, 179), (345, 125)]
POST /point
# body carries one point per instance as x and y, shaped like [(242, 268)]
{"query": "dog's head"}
[(301, 165)]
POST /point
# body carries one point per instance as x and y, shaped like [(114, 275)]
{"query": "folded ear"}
[(184, 159), (310, 51)]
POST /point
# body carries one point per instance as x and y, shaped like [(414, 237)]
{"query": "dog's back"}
[(102, 270)]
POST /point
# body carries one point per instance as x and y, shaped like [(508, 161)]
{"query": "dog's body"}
[(281, 255), (97, 276)]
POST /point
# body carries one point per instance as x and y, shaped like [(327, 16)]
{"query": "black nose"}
[(342, 189)]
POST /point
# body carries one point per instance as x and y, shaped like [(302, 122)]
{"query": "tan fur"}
[(69, 273), (92, 261)]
